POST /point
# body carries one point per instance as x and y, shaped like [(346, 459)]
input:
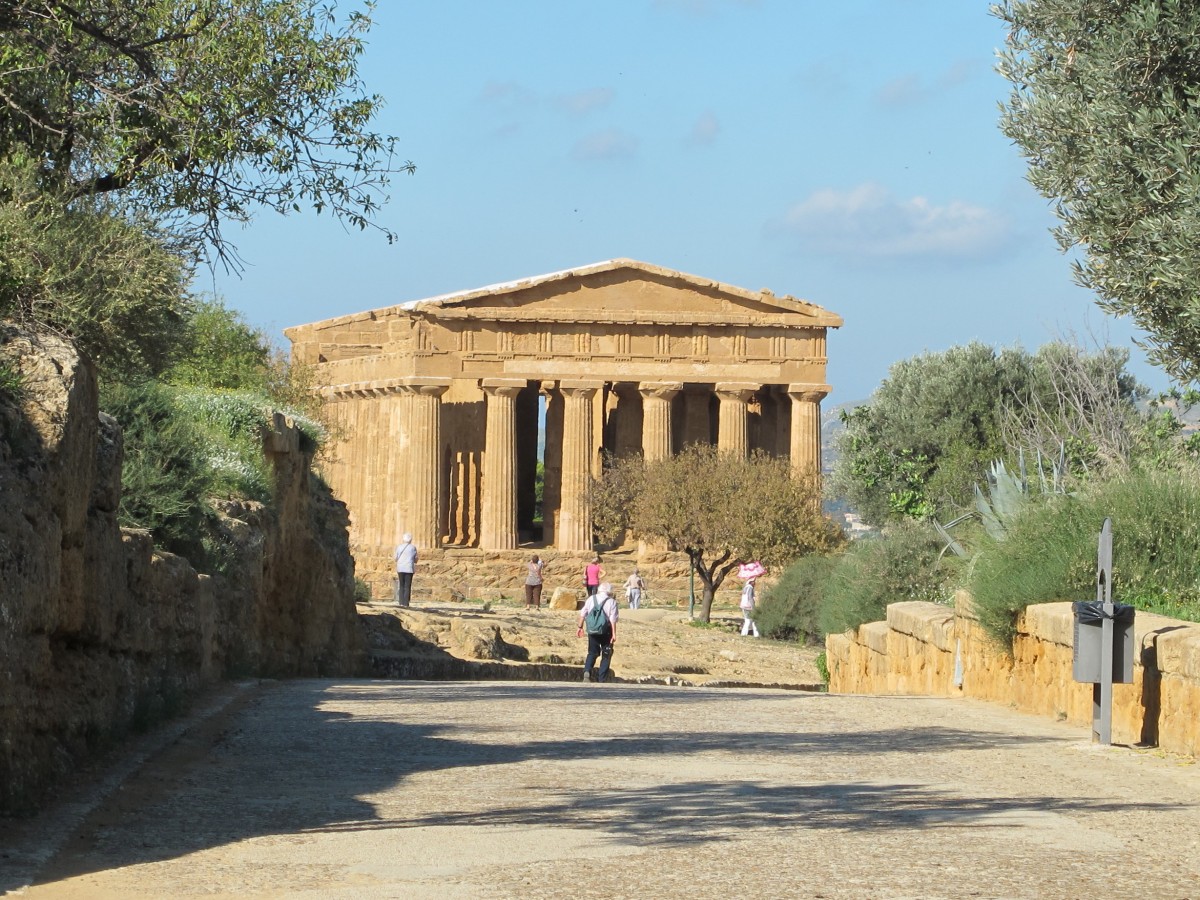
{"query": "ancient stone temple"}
[(447, 406)]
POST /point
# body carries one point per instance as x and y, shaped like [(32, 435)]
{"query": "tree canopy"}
[(720, 509), (198, 111), (1106, 109), (938, 420), (87, 271)]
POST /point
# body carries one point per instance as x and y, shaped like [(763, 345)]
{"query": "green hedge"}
[(1050, 551)]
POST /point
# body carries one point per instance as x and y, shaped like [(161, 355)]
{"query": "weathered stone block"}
[(931, 623)]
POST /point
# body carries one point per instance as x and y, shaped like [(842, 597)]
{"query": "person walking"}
[(749, 573), (633, 589), (406, 565), (533, 583), (599, 617), (592, 575)]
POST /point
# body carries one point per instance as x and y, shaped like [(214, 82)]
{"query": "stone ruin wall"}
[(100, 633), (914, 652), (495, 575)]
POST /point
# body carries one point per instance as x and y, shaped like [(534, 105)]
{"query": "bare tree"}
[(720, 509)]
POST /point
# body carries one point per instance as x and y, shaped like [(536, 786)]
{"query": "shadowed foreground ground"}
[(416, 789)]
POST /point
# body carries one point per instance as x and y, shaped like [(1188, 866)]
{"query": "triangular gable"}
[(620, 287)]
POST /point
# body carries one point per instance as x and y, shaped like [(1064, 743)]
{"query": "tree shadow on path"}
[(285, 763)]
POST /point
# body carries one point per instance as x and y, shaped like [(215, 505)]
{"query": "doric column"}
[(731, 424), (357, 465), (392, 499), (806, 428), (498, 522), (421, 442), (574, 526), (656, 418)]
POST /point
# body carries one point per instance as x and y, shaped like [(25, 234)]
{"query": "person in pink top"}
[(593, 575)]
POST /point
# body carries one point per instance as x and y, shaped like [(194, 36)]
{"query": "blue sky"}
[(846, 153)]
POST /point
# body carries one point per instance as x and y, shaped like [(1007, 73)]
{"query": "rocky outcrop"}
[(101, 633)]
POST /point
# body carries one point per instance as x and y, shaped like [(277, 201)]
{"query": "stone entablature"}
[(438, 401)]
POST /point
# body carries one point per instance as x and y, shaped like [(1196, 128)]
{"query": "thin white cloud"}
[(611, 143), (702, 7), (704, 130), (825, 77), (507, 94), (910, 88), (583, 102), (870, 221), (903, 91), (958, 73)]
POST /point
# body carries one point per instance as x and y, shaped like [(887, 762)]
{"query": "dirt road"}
[(420, 789)]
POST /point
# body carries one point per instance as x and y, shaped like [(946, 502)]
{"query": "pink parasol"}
[(747, 571)]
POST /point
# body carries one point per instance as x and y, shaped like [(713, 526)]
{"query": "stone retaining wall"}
[(928, 649), (102, 633)]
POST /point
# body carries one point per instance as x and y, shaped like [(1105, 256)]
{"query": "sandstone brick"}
[(932, 623)]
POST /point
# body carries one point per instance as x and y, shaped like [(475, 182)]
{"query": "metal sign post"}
[(1102, 692)]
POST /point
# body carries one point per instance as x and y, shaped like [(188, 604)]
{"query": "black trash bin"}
[(1089, 643)]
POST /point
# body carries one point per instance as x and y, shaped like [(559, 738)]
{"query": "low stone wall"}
[(100, 632), (932, 650)]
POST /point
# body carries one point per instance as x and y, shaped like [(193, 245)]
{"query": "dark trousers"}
[(533, 595), (599, 645), (403, 588), (591, 589)]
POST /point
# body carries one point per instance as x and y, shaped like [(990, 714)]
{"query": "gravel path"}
[(448, 790)]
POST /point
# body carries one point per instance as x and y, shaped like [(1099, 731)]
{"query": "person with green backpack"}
[(599, 619)]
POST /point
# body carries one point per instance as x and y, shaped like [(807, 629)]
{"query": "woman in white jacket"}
[(749, 573)]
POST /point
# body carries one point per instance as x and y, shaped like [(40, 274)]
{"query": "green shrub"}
[(111, 281), (231, 424), (822, 663), (166, 477), (1050, 551), (903, 563), (182, 447), (790, 608)]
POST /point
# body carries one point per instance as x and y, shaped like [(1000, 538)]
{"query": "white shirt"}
[(406, 557), (609, 606)]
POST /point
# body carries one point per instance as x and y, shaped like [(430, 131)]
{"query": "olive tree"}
[(931, 429), (198, 112), (719, 508), (1104, 108)]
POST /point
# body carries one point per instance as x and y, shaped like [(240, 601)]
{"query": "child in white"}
[(747, 607), (633, 589)]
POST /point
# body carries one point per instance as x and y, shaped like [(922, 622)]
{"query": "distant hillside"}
[(831, 427)]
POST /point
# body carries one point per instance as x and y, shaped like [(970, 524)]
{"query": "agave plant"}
[(1008, 495)]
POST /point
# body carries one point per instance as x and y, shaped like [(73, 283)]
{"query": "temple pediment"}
[(622, 290)]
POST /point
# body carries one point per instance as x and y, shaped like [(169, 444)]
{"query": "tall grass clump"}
[(790, 608), (231, 423), (1049, 553), (904, 563)]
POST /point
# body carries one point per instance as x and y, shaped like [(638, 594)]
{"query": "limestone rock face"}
[(99, 631)]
